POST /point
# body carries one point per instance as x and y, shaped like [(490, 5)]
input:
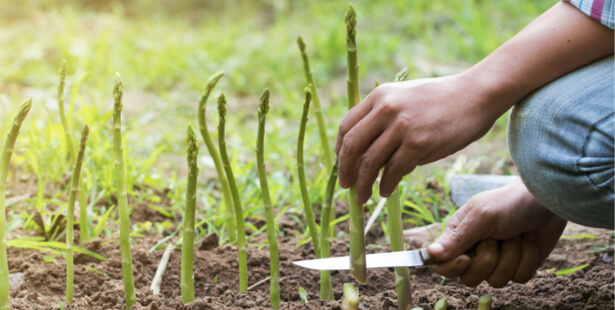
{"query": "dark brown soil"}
[(216, 279)]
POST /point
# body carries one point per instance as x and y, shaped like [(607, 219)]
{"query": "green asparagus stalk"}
[(241, 235), (215, 155), (187, 264), (70, 214), (402, 274), (309, 214), (7, 152), (484, 302), (326, 287), (122, 197), (83, 198), (274, 281), (69, 137), (357, 220), (322, 129), (441, 304), (351, 297)]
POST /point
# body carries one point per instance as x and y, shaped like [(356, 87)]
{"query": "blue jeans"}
[(561, 140)]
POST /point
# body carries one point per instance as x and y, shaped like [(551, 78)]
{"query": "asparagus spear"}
[(326, 288), (357, 236), (187, 264), (309, 214), (351, 297), (7, 152), (70, 214), (274, 281), (441, 304), (215, 155), (322, 130), (402, 274), (484, 302), (241, 235), (83, 198), (122, 197)]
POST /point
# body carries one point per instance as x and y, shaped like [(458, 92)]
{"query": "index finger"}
[(351, 118)]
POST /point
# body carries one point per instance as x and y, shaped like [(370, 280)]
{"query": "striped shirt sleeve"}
[(600, 10)]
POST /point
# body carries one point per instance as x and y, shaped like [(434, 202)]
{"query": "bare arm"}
[(402, 125)]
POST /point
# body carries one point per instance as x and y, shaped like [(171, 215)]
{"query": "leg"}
[(561, 140)]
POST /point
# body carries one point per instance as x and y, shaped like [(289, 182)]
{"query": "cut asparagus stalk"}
[(351, 297), (441, 304), (484, 302)]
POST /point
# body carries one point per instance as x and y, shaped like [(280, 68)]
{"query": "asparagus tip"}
[(351, 19), (118, 91), (193, 147), (62, 70), (213, 80), (264, 108), (402, 75), (301, 43), (85, 132), (222, 106)]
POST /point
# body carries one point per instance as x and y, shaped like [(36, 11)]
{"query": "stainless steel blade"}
[(379, 260)]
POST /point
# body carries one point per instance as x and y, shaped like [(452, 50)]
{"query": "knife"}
[(379, 260)]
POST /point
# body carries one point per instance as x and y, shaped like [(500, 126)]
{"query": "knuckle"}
[(348, 144)]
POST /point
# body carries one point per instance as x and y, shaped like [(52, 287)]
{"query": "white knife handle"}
[(427, 258)]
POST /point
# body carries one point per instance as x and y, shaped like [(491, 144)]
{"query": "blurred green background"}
[(165, 51)]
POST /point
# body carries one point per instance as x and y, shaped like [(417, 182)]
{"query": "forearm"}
[(559, 41)]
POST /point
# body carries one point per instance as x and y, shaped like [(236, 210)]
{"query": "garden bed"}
[(98, 284)]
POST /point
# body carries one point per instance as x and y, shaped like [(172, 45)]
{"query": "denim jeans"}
[(561, 140)]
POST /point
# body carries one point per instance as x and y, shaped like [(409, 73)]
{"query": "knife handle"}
[(427, 258)]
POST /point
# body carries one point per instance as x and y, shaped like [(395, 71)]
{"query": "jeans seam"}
[(583, 152)]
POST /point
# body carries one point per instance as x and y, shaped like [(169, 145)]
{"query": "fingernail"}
[(436, 249)]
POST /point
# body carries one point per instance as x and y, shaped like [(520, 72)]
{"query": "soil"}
[(98, 284)]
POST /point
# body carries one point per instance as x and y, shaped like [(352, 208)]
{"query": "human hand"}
[(513, 234), (405, 124)]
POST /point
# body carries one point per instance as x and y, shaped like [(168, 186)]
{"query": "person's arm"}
[(402, 125)]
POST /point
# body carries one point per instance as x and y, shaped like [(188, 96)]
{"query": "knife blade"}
[(378, 260)]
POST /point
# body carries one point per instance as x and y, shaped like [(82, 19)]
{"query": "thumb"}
[(458, 240)]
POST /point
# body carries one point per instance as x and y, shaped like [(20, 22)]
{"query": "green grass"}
[(166, 54)]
